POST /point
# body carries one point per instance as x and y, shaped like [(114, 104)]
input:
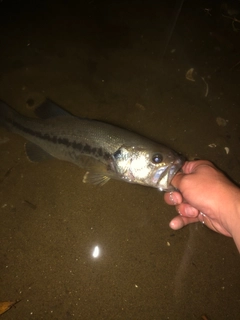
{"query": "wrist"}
[(233, 216)]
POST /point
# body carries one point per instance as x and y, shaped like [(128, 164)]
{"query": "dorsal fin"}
[(49, 109)]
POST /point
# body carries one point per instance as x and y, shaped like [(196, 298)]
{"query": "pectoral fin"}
[(97, 171), (95, 178)]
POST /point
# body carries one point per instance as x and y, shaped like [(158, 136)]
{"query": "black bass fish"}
[(105, 151)]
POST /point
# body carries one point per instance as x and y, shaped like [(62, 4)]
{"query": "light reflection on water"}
[(96, 252)]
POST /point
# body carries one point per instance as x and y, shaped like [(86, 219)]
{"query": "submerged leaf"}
[(6, 305)]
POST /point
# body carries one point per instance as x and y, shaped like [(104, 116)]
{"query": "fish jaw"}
[(165, 177)]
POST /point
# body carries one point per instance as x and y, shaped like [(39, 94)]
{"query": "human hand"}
[(205, 195)]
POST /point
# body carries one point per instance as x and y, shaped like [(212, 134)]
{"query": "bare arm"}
[(208, 196)]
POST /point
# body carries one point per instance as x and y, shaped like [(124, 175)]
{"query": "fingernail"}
[(171, 197), (178, 210)]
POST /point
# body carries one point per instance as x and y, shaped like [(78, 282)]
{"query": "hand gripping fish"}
[(105, 151)]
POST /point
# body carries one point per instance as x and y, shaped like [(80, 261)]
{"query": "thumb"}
[(176, 181), (189, 167)]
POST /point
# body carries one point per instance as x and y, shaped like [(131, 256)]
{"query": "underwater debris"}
[(206, 92), (227, 150), (221, 122), (189, 74), (212, 145)]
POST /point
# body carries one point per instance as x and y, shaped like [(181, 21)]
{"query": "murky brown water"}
[(105, 61)]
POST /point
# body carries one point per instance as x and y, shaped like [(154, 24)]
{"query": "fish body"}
[(104, 150)]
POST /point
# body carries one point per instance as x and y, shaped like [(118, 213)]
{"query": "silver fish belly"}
[(104, 150)]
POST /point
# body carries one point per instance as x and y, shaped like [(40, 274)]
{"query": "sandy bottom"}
[(105, 60)]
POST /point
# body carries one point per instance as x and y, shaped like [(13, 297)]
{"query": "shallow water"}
[(105, 61)]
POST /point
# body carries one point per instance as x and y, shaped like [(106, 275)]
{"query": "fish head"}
[(153, 166)]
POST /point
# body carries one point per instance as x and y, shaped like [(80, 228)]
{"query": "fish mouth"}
[(165, 175)]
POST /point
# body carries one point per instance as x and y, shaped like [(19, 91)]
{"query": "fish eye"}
[(157, 158), (117, 154)]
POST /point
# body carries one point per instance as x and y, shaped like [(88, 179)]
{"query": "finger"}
[(188, 167), (173, 198), (179, 222), (176, 180), (186, 210), (191, 166)]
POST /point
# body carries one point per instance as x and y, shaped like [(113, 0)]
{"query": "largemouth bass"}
[(105, 151)]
